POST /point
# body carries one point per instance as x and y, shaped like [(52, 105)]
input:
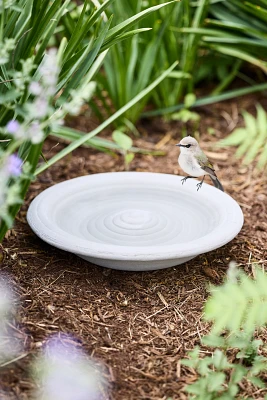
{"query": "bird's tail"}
[(217, 183)]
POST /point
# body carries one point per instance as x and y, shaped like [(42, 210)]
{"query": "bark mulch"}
[(138, 326)]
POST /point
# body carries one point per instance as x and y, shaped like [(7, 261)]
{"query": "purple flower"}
[(35, 133), (35, 88), (9, 343), (13, 127), (40, 107), (5, 297), (67, 374), (13, 165)]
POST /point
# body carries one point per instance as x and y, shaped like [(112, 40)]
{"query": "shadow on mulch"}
[(137, 325)]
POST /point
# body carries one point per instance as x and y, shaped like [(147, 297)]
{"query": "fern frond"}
[(252, 139), (239, 306)]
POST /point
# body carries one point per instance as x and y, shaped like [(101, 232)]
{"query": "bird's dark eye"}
[(188, 145)]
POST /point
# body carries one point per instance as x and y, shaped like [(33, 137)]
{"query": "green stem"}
[(70, 134), (208, 100), (3, 114), (229, 78), (2, 22), (13, 146)]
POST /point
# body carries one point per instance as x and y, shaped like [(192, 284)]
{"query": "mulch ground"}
[(137, 325)]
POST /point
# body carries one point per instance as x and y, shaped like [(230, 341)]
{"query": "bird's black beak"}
[(180, 145)]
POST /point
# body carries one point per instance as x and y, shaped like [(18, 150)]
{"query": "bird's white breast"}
[(189, 164)]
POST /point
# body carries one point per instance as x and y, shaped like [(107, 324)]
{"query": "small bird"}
[(195, 163)]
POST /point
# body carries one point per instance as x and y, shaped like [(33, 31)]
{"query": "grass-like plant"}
[(237, 31), (236, 309), (130, 66), (38, 89), (234, 32), (251, 139), (80, 139)]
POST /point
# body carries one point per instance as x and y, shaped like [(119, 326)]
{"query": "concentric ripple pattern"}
[(132, 217)]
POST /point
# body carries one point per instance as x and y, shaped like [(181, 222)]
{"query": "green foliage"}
[(210, 99), (251, 140), (236, 309), (98, 143), (239, 30), (214, 382), (85, 138), (239, 304), (234, 32), (125, 143), (83, 36), (130, 66), (185, 114), (234, 29)]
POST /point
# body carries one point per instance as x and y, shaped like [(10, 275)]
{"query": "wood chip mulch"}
[(137, 326)]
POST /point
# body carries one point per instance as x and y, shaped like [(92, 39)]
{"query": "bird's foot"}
[(199, 185), (184, 180)]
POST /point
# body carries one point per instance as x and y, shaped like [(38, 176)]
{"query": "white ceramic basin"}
[(134, 221)]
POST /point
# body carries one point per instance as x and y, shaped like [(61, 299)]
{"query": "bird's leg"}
[(185, 179), (200, 183)]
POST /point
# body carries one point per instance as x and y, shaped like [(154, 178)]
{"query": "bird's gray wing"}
[(205, 164)]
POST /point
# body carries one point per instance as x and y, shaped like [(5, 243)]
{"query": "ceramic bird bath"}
[(135, 221)]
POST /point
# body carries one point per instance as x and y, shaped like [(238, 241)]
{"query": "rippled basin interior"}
[(132, 216)]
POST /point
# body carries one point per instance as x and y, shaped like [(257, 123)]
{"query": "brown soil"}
[(138, 325)]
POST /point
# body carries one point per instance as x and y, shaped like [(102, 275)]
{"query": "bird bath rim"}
[(227, 215)]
